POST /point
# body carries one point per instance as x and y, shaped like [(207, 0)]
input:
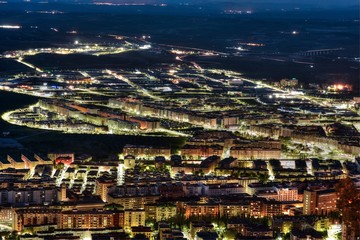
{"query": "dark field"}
[(9, 66)]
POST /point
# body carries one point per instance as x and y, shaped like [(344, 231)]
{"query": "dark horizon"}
[(247, 3)]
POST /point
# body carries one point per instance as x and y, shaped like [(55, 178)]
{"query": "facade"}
[(246, 229), (65, 158), (272, 208), (199, 151), (146, 151), (132, 202), (223, 189), (319, 202), (6, 214), (280, 194), (160, 211), (134, 218), (28, 195), (90, 219), (202, 209), (102, 187), (33, 217), (234, 210), (254, 153)]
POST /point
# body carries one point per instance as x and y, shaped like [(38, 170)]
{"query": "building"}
[(223, 189), (65, 158), (35, 217), (102, 185), (91, 219), (146, 123), (307, 234), (141, 230), (202, 209), (289, 83), (234, 209), (248, 229), (286, 194), (254, 153), (160, 211), (166, 232), (132, 202), (200, 151), (272, 208), (140, 151), (28, 195), (6, 214), (16, 161), (319, 202), (134, 218)]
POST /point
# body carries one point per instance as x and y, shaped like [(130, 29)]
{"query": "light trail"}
[(20, 60), (6, 227), (137, 87)]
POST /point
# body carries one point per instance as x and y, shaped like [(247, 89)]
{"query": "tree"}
[(230, 234), (60, 166), (263, 177), (348, 204)]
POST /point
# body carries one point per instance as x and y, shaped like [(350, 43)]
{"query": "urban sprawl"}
[(261, 160)]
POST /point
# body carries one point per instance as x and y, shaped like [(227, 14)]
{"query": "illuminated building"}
[(146, 123), (16, 162), (234, 209), (28, 195), (140, 151), (134, 218), (6, 214), (129, 161), (62, 196), (201, 209), (35, 217), (91, 219), (272, 208), (65, 158), (255, 153), (132, 201), (289, 82), (198, 151), (160, 211), (280, 194), (4, 163), (223, 189), (319, 202), (102, 185)]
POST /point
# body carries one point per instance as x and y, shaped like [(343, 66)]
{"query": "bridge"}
[(318, 52)]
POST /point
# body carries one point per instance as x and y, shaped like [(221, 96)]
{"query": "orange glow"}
[(340, 87)]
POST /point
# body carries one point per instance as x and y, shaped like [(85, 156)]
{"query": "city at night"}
[(180, 119)]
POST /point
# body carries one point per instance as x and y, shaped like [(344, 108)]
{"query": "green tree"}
[(230, 234), (263, 177), (59, 166)]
